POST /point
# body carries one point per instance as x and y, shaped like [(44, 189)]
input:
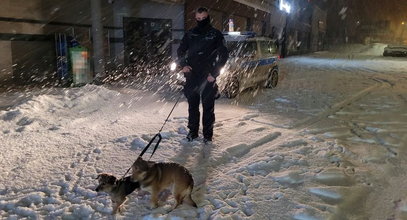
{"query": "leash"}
[(158, 135)]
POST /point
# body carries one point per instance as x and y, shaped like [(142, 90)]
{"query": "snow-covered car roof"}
[(397, 46)]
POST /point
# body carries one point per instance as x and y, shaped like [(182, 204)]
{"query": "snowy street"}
[(328, 143)]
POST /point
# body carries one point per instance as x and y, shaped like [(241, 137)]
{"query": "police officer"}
[(202, 53)]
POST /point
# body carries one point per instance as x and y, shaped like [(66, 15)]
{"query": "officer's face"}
[(201, 16)]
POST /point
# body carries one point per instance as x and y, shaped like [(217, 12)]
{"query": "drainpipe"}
[(97, 39)]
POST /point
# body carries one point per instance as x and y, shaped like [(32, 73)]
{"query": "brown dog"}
[(156, 177), (118, 189)]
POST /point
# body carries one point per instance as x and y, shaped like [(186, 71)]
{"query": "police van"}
[(252, 63)]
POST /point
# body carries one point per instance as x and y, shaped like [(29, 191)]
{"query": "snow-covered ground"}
[(328, 143)]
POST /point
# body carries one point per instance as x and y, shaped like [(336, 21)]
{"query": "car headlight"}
[(173, 66), (222, 71), (180, 76)]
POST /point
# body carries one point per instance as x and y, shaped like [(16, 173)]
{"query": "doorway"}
[(147, 41)]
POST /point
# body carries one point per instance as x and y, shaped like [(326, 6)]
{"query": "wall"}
[(299, 28), (27, 31), (318, 29), (28, 28), (21, 9), (221, 11), (147, 9), (6, 70), (16, 9), (335, 23), (278, 21), (33, 61)]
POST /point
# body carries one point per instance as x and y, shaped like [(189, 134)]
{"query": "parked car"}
[(252, 63), (395, 50)]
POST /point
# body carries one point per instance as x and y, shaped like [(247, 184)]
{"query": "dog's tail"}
[(188, 200), (188, 197)]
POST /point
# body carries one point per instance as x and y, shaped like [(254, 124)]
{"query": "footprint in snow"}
[(242, 124), (120, 140), (250, 116), (137, 144), (259, 129), (97, 150), (68, 177), (182, 130), (294, 143), (87, 158), (217, 125), (181, 119), (25, 121), (8, 116), (53, 128)]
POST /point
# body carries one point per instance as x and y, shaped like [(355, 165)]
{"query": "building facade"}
[(247, 15), (150, 28), (29, 31), (138, 32), (318, 29), (305, 28)]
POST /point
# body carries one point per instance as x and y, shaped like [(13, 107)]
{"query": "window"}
[(268, 48), (239, 48)]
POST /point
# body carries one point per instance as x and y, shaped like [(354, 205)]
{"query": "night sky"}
[(373, 10), (367, 12)]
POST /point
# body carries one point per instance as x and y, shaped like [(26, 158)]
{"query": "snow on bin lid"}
[(238, 33)]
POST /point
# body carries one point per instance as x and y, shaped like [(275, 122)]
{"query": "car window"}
[(268, 48), (241, 48)]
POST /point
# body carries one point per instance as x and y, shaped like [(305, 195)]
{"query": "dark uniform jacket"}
[(204, 50)]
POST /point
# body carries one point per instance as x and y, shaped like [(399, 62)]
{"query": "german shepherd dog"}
[(118, 189), (156, 177)]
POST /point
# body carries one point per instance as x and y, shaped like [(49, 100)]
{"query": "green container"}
[(80, 66)]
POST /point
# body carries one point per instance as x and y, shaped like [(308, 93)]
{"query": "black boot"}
[(207, 140), (191, 136), (217, 95)]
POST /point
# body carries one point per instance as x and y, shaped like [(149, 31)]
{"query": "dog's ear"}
[(150, 164), (139, 160), (98, 177), (112, 180)]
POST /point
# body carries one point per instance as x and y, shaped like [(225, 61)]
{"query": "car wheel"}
[(232, 89), (272, 79)]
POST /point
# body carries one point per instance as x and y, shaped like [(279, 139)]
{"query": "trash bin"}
[(80, 66)]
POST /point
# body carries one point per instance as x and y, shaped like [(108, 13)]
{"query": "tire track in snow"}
[(374, 99), (240, 150), (381, 83), (338, 106), (365, 128)]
